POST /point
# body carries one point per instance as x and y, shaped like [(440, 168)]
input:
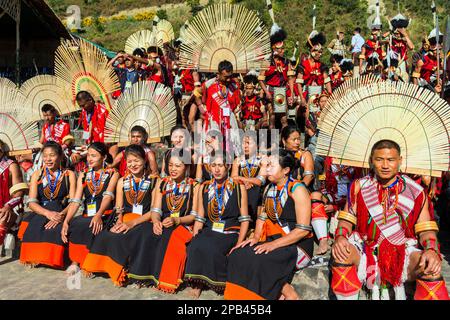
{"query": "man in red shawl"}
[(53, 130), (217, 100), (387, 235)]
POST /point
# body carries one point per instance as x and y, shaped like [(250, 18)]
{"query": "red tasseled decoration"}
[(391, 259)]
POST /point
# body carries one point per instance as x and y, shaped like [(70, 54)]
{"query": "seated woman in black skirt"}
[(111, 249), (221, 224), (263, 266), (97, 186), (158, 253), (50, 191)]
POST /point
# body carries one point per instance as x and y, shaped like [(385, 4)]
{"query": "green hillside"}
[(110, 22)]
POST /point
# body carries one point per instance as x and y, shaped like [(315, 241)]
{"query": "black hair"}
[(135, 150), (286, 159), (142, 131), (138, 52), (83, 96), (55, 146), (287, 131), (393, 62), (49, 108), (358, 29), (154, 49), (101, 148), (385, 144), (225, 65), (179, 153), (177, 127), (336, 58)]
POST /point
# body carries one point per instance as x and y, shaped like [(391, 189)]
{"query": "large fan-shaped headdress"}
[(142, 39), (47, 89), (357, 116), (163, 30), (83, 67), (225, 32), (17, 128), (147, 104)]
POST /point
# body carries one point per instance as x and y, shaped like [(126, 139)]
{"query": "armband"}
[(299, 81), (343, 215), (291, 73), (22, 186), (157, 210), (303, 227), (416, 74), (200, 219), (150, 63), (197, 83), (199, 180), (426, 226), (244, 218), (361, 56), (308, 173), (197, 92), (326, 80), (109, 193), (261, 77)]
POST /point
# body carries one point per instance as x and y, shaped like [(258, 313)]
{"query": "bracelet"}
[(14, 202), (200, 219), (75, 200), (262, 218), (343, 215), (426, 226), (109, 193), (431, 244), (303, 227), (262, 179), (193, 213), (361, 56), (32, 200), (197, 84), (244, 218), (197, 92), (326, 80), (416, 74), (199, 180), (299, 81), (150, 63), (157, 210), (177, 221), (341, 231), (119, 210)]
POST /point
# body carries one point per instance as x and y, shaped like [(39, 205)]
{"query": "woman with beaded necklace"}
[(97, 186), (50, 190), (159, 248), (221, 224), (110, 251), (263, 266)]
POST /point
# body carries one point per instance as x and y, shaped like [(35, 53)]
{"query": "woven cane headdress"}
[(83, 67), (225, 32), (17, 128), (142, 39), (360, 113), (163, 30), (47, 89), (148, 104)]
